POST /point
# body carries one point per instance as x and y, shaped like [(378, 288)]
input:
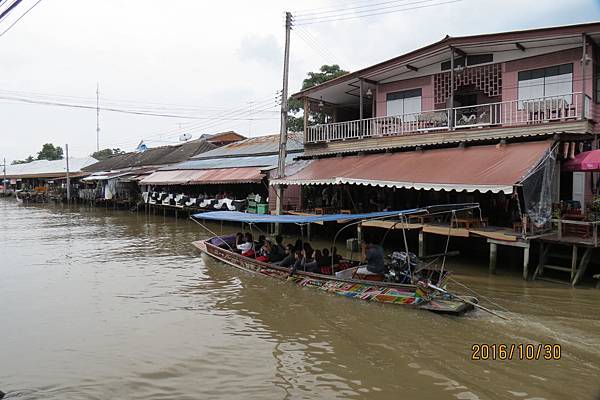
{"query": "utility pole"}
[(68, 178), (284, 115), (97, 116)]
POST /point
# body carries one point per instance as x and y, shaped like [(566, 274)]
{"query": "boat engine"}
[(401, 267)]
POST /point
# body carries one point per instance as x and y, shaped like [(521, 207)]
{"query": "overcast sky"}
[(203, 58)]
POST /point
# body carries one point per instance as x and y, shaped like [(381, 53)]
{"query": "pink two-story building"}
[(486, 118), (455, 96)]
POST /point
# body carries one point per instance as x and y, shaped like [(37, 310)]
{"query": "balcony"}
[(567, 107)]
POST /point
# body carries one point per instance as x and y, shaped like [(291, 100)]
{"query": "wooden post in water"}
[(493, 256), (68, 178), (526, 261), (421, 244)]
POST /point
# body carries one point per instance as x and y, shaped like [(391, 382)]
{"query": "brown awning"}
[(204, 176), (478, 168)]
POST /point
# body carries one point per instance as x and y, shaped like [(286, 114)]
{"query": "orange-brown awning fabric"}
[(477, 168), (204, 176)]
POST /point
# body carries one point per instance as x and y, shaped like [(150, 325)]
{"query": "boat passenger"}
[(308, 262), (298, 261), (289, 258), (239, 239), (277, 250), (264, 253), (325, 258), (298, 245), (335, 256), (375, 258), (259, 243), (247, 248)]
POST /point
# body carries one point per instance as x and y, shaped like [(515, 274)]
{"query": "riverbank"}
[(104, 303)]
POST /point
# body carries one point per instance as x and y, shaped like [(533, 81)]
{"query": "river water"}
[(98, 304)]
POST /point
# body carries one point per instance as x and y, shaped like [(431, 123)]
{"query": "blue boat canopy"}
[(237, 216)]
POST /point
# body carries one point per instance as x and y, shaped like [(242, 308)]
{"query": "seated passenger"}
[(308, 262), (335, 256), (260, 242), (318, 256), (264, 253), (239, 239), (298, 245), (289, 258), (374, 257), (247, 248), (277, 250), (325, 259)]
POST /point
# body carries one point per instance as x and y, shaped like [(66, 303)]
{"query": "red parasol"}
[(588, 161)]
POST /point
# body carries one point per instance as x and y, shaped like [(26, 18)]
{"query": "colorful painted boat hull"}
[(381, 292)]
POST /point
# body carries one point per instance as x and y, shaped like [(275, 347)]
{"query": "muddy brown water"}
[(98, 304)]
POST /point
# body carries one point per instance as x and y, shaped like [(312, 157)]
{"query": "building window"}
[(556, 81), (404, 102)]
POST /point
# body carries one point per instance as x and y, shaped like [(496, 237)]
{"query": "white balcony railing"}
[(570, 106)]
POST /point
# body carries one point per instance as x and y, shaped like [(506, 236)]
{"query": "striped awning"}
[(478, 168), (205, 176)]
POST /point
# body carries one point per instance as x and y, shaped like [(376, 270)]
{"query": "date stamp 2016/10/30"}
[(515, 351)]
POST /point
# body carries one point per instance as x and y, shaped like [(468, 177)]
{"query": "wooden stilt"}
[(573, 263), (543, 255), (526, 262), (583, 264), (421, 244), (493, 256)]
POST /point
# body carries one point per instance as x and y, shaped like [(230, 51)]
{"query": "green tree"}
[(325, 73), (25, 161), (107, 153), (50, 152)]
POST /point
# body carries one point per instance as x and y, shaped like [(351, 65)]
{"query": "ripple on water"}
[(112, 304)]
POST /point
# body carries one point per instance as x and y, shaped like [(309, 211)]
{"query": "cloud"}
[(263, 49), (208, 55)]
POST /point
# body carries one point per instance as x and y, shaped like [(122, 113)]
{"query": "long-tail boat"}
[(425, 288)]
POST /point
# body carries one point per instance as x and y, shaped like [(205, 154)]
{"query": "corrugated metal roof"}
[(46, 168), (231, 162), (163, 155), (477, 168), (204, 177), (261, 145)]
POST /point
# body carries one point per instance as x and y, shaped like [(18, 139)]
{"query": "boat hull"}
[(381, 292)]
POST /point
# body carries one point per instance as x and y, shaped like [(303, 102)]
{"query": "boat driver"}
[(374, 257)]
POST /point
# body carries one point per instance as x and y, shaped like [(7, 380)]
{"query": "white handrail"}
[(505, 113)]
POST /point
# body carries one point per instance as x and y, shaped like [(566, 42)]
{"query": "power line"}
[(370, 9), (325, 50), (337, 10), (207, 124), (9, 9), (18, 19), (358, 15), (326, 57), (343, 3), (90, 107), (113, 102), (204, 125)]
